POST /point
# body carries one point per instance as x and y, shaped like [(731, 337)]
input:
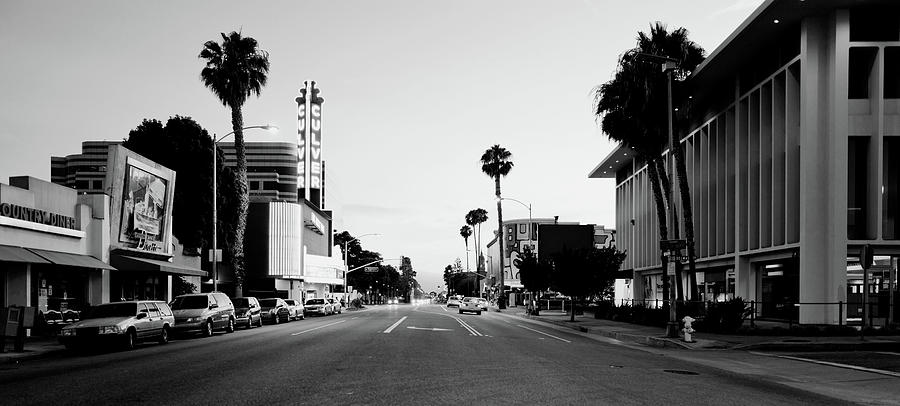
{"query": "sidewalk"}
[(655, 336), (35, 347)]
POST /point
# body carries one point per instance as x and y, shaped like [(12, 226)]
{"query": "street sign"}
[(370, 269), (672, 245)]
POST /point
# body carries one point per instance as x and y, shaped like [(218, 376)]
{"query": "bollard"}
[(688, 330)]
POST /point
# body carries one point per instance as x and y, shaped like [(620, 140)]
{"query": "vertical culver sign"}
[(309, 143), (301, 141)]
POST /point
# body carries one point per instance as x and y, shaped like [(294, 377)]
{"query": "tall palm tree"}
[(633, 110), (235, 70), (496, 162), (466, 232), (474, 218)]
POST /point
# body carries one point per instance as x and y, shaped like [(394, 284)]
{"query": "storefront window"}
[(59, 292), (716, 286), (882, 289), (779, 287), (137, 286)]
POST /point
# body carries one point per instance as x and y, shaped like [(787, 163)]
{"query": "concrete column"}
[(18, 285), (823, 164)]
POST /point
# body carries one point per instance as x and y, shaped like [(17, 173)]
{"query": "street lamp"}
[(347, 264), (215, 256), (669, 66)]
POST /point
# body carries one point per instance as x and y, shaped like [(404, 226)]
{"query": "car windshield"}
[(470, 299), (268, 302), (190, 302), (315, 301), (111, 310), (290, 302), (240, 301)]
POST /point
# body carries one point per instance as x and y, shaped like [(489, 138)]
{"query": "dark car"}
[(203, 312), (275, 310), (124, 323), (247, 311)]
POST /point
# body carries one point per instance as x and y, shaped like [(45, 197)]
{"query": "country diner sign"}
[(37, 216)]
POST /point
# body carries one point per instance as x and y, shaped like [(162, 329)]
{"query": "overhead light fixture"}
[(776, 21)]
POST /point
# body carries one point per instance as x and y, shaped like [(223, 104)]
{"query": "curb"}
[(820, 346), (635, 338)]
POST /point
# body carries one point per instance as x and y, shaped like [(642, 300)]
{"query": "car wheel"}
[(275, 319), (478, 313), (130, 339), (164, 335), (249, 323), (460, 312), (259, 322), (208, 328), (230, 328)]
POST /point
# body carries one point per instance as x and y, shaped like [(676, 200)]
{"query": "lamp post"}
[(214, 257), (347, 264), (669, 66)]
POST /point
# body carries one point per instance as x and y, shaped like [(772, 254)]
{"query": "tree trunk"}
[(661, 218), (501, 300), (237, 257), (673, 212), (688, 215)]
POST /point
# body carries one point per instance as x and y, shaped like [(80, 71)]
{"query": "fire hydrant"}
[(687, 328)]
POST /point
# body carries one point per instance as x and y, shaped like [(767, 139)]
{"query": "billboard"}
[(142, 193)]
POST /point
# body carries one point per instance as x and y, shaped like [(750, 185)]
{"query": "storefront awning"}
[(19, 254), (127, 263), (67, 259)]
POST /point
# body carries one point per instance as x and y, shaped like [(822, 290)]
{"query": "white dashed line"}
[(316, 328), (541, 332), (393, 326)]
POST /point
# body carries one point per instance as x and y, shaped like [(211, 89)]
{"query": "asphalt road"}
[(398, 355)]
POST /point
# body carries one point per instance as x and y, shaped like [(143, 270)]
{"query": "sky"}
[(415, 91)]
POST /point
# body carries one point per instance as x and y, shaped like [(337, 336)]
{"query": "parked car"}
[(318, 306), (275, 310), (453, 301), (247, 311), (124, 323), (470, 304), (296, 309), (204, 313), (336, 306)]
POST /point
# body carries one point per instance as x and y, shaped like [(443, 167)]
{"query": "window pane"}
[(890, 188)]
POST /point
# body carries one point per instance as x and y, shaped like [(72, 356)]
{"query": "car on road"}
[(318, 306), (203, 312), (247, 311), (336, 306), (275, 310), (123, 323), (470, 305), (453, 302), (483, 303), (296, 309)]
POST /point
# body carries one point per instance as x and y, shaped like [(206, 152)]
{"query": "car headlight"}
[(67, 332), (192, 319), (247, 314), (109, 330)]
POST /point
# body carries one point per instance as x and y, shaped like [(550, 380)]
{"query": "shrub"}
[(724, 317)]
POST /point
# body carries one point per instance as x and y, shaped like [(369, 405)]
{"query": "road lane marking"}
[(444, 308), (316, 328), (393, 326), (428, 328), (541, 332), (468, 327)]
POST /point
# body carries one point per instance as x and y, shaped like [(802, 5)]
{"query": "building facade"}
[(792, 163)]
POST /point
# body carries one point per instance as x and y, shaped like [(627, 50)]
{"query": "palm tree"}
[(235, 70), (629, 107), (466, 232), (496, 162), (474, 218)]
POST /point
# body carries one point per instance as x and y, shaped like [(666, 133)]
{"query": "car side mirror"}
[(141, 315), (213, 306)]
